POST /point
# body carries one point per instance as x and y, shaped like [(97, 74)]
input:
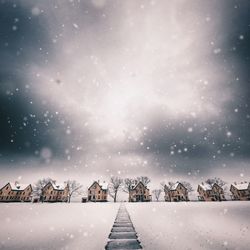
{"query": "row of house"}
[(98, 192), (51, 192), (54, 192), (139, 192), (15, 192), (207, 192)]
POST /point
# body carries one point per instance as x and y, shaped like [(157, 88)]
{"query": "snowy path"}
[(123, 234)]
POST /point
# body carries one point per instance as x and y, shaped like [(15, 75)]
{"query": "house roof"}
[(205, 186), (15, 186), (241, 186), (103, 185), (174, 187), (58, 186), (135, 185)]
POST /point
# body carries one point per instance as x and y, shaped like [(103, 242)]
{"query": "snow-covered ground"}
[(56, 226), (160, 225), (193, 225)]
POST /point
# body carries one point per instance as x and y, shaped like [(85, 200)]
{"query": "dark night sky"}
[(97, 88)]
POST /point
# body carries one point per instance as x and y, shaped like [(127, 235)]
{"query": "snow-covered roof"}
[(58, 186), (136, 184), (104, 185), (206, 186), (173, 187), (15, 186), (241, 186)]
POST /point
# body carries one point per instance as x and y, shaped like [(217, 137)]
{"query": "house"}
[(98, 192), (209, 192), (177, 192), (16, 192), (54, 192), (139, 193), (240, 191)]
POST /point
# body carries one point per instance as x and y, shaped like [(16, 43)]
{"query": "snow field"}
[(56, 226), (192, 225), (160, 225)]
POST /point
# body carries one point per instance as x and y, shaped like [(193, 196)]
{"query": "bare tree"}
[(75, 189), (166, 187), (157, 193), (218, 181), (144, 179), (162, 185), (128, 184), (40, 184), (114, 185), (187, 185)]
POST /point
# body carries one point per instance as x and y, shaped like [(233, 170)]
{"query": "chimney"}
[(98, 181)]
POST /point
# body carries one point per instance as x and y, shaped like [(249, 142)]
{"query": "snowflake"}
[(241, 37)]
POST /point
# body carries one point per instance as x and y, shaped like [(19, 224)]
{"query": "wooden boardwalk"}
[(123, 234)]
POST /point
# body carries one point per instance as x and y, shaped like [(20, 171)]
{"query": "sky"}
[(90, 89)]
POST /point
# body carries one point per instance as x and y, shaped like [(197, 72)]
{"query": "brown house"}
[(54, 192), (15, 192), (98, 192), (139, 193), (209, 192), (240, 191), (177, 192)]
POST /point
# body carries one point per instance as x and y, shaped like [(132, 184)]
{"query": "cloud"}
[(156, 82)]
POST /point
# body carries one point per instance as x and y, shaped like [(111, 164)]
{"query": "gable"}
[(139, 185), (216, 186), (28, 187), (5, 186), (95, 185), (47, 186), (181, 187)]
